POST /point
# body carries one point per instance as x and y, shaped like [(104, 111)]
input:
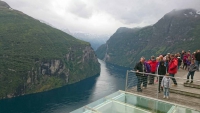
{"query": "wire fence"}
[(187, 94)]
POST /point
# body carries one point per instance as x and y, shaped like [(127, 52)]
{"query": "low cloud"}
[(80, 9), (100, 16)]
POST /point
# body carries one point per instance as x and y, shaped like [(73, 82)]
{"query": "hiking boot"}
[(191, 81), (144, 87), (167, 97), (163, 96), (174, 85), (187, 81)]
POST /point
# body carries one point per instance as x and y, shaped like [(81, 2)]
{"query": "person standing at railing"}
[(153, 65), (148, 70), (161, 71), (173, 67), (140, 67), (166, 85)]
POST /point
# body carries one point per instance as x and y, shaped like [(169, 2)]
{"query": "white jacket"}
[(166, 82)]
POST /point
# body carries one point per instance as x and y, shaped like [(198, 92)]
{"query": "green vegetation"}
[(172, 33), (35, 57)]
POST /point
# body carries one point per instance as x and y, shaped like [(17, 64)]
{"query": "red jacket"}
[(173, 66), (153, 65)]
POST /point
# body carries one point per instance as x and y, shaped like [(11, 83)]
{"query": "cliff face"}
[(177, 30), (36, 57)]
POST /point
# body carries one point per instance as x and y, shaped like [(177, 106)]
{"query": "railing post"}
[(126, 79), (158, 85)]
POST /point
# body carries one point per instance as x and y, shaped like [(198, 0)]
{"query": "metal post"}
[(126, 79), (158, 86)]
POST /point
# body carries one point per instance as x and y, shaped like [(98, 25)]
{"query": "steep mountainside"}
[(35, 57), (178, 30)]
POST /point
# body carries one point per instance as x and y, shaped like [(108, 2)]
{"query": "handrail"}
[(160, 75)]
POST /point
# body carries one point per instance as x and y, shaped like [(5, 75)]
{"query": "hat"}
[(168, 53)]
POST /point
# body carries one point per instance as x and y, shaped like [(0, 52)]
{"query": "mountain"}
[(35, 57), (94, 39), (177, 30)]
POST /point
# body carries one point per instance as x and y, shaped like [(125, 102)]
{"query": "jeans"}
[(160, 80), (197, 63), (166, 91), (190, 73), (139, 78), (173, 79), (185, 65), (151, 78)]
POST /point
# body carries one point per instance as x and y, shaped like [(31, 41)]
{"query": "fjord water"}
[(71, 97)]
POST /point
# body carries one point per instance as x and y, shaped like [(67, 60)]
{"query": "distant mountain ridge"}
[(95, 40), (35, 57), (177, 30)]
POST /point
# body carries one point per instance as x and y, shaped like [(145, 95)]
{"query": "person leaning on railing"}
[(140, 67)]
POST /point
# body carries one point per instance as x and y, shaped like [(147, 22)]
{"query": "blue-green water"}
[(71, 97)]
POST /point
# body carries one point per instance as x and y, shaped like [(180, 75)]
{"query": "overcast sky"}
[(100, 16)]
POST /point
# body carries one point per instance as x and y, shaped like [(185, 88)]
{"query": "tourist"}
[(144, 78), (165, 84), (139, 67), (173, 66), (182, 54), (197, 58), (161, 71), (188, 61), (185, 61), (191, 70), (167, 62), (179, 62), (189, 55), (153, 65)]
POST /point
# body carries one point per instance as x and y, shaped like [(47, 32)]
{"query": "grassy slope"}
[(24, 40)]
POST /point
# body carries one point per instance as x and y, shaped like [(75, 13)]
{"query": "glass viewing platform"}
[(125, 102)]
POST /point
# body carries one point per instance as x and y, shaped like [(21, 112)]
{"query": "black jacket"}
[(139, 66), (179, 61), (197, 56), (161, 70)]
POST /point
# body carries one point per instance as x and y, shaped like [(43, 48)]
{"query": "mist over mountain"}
[(95, 40), (175, 31)]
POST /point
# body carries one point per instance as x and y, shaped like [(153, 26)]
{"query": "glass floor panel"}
[(124, 102)]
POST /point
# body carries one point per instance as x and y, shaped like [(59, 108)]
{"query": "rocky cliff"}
[(36, 57), (177, 30)]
